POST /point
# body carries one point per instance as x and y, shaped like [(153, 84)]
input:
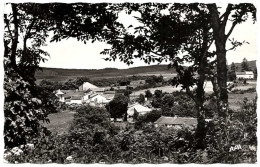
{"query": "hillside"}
[(58, 74), (251, 64)]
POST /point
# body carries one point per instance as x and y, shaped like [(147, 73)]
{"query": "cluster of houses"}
[(90, 94), (86, 93)]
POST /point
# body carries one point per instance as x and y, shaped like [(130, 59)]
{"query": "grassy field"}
[(235, 100), (58, 74), (60, 122)]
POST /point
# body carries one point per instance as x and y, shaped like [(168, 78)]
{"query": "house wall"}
[(246, 76), (76, 101)]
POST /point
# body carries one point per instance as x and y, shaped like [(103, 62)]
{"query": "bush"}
[(147, 118)]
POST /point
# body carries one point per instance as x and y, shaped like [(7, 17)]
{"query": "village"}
[(89, 94), (130, 83)]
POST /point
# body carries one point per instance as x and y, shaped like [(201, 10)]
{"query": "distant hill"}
[(251, 64), (59, 74)]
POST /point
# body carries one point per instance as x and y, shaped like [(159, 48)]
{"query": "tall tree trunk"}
[(15, 37), (220, 38), (222, 76)]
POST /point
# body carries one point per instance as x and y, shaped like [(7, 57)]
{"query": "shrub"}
[(147, 118)]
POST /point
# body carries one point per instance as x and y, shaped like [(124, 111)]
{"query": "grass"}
[(236, 100), (60, 122)]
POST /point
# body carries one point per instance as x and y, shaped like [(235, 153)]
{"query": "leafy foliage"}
[(244, 65), (23, 110), (118, 107)]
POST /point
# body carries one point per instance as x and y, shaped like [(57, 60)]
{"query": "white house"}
[(97, 100), (245, 75), (140, 109), (60, 95), (86, 86), (98, 90), (76, 100), (87, 95)]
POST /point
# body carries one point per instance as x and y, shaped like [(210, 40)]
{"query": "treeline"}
[(150, 81)]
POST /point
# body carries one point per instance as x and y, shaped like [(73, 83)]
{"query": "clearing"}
[(60, 122)]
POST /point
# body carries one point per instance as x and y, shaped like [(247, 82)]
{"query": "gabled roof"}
[(70, 94), (110, 92), (176, 120), (59, 92), (76, 98), (98, 89), (89, 85), (141, 108), (245, 73), (138, 108)]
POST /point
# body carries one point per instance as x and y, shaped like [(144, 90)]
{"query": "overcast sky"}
[(74, 54)]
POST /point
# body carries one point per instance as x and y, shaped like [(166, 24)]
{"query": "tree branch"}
[(225, 16), (8, 26), (231, 29), (28, 33), (15, 40)]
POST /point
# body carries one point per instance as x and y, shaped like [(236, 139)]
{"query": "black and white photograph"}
[(109, 82)]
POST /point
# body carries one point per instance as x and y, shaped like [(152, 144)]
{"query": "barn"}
[(245, 75)]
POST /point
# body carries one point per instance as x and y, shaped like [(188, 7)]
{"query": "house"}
[(98, 90), (140, 109), (60, 95), (76, 99), (245, 75), (176, 122), (86, 85), (97, 100), (87, 94)]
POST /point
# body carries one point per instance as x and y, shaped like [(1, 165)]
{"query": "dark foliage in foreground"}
[(92, 138)]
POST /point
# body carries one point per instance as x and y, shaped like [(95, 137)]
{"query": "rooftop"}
[(176, 120), (245, 73)]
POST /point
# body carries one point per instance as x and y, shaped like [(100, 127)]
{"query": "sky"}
[(71, 53), (74, 54)]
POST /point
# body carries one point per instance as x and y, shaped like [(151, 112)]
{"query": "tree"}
[(24, 105), (118, 107), (244, 65), (28, 24), (141, 98), (148, 94), (156, 40), (198, 26), (237, 13), (232, 72), (158, 93), (255, 73)]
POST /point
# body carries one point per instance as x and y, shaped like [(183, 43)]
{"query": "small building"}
[(245, 75), (140, 109), (75, 100), (87, 94), (97, 100), (86, 85), (60, 95), (98, 90), (176, 122)]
